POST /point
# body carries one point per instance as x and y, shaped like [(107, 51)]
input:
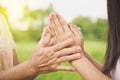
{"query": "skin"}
[(15, 58), (16, 62), (44, 59), (61, 30)]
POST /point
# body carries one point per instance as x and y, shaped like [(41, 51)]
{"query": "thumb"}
[(45, 40)]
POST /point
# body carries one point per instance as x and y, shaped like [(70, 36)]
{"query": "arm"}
[(87, 66), (19, 72), (87, 70), (43, 60), (83, 65), (16, 62), (93, 61), (15, 58)]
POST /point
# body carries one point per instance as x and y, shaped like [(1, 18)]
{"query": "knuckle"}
[(52, 48), (58, 61), (64, 58), (62, 51), (56, 46), (77, 55), (67, 51)]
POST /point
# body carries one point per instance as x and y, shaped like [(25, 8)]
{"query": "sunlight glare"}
[(15, 13)]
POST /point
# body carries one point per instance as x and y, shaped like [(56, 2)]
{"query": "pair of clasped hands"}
[(60, 42)]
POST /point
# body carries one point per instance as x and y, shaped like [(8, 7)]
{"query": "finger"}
[(51, 22), (45, 41), (51, 62), (52, 42), (68, 51), (69, 58), (62, 45), (76, 31), (55, 31), (45, 31), (63, 23), (77, 27), (58, 25), (50, 30), (52, 18), (65, 68)]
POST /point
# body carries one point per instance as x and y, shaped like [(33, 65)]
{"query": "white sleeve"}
[(116, 71), (5, 34), (7, 45)]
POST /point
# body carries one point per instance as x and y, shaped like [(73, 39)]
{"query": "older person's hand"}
[(61, 30), (48, 58)]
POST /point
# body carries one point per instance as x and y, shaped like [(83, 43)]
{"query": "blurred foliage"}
[(95, 48), (34, 31), (91, 30), (3, 11)]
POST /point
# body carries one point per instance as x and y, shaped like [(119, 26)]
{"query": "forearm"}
[(22, 71), (16, 62), (93, 61), (87, 70), (15, 58), (32, 77)]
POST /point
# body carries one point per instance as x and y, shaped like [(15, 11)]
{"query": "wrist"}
[(84, 52), (31, 68)]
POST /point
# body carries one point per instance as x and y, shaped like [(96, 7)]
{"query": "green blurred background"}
[(31, 25)]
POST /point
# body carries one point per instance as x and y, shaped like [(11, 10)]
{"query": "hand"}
[(48, 58), (61, 30)]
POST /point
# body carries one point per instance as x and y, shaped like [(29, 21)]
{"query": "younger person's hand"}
[(61, 30)]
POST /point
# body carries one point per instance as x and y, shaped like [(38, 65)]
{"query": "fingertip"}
[(48, 35), (48, 28), (69, 23), (78, 28), (78, 55), (78, 48), (57, 15), (73, 69), (71, 40), (51, 16), (45, 31), (52, 42)]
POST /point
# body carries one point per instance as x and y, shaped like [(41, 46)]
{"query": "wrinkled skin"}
[(47, 58), (61, 30)]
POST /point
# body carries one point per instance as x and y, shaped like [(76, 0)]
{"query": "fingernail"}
[(50, 27), (73, 69), (47, 35), (78, 49), (72, 25), (71, 40), (78, 54), (57, 15), (52, 15)]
